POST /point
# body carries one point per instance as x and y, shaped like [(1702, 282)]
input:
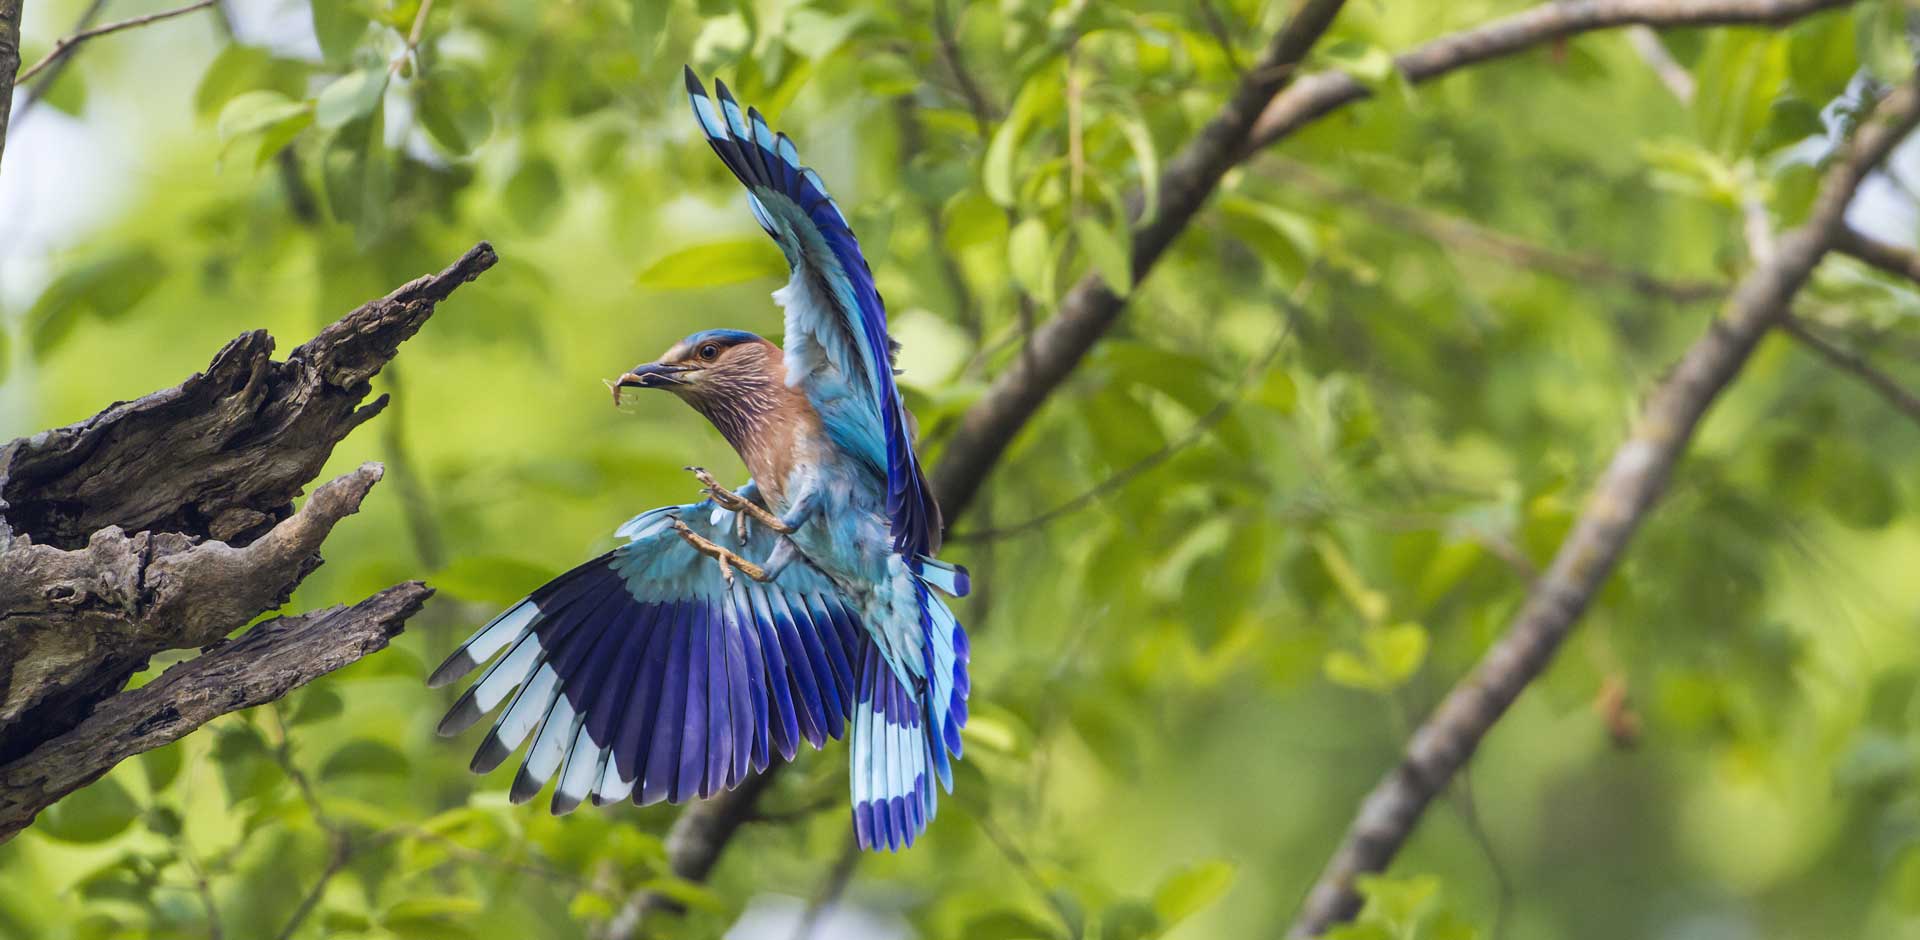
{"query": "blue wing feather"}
[(792, 205), (643, 673)]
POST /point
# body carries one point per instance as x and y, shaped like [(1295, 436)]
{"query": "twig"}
[(1319, 94), (38, 90), (341, 853), (1024, 866), (419, 25), (1217, 25), (1193, 435), (1622, 499), (831, 889), (1091, 307), (1472, 236), (1890, 259), (65, 45), (950, 53), (203, 890), (1646, 43), (1904, 401)]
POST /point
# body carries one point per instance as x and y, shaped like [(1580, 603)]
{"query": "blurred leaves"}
[(1161, 716)]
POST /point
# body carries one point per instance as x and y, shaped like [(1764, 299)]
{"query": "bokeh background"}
[(1365, 418)]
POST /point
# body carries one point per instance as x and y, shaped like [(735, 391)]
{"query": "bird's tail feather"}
[(905, 738)]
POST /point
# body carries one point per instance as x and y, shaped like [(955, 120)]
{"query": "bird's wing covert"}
[(643, 673), (835, 316)]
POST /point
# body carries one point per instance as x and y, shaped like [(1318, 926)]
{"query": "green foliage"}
[(1308, 477)]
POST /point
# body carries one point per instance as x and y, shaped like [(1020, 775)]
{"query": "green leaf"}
[(816, 34), (1369, 64), (533, 194), (1129, 920), (1030, 257), (493, 579), (1191, 890), (163, 821), (94, 813), (364, 756), (453, 109), (317, 703), (1009, 925), (1108, 251), (162, 766), (714, 264), (338, 25), (107, 288), (255, 111), (247, 768), (350, 97)]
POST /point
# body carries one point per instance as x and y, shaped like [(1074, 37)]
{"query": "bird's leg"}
[(727, 559), (734, 502)]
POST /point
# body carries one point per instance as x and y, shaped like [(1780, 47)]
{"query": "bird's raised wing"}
[(644, 673), (836, 322)]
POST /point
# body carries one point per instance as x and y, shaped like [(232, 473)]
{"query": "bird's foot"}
[(727, 559), (734, 502)]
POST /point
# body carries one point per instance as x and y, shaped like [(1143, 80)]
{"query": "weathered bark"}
[(167, 523), (9, 64), (264, 664)]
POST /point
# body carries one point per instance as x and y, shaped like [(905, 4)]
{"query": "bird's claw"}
[(727, 559), (736, 503)]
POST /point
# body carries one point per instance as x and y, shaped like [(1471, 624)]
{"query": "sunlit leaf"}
[(1108, 251), (714, 264), (94, 813), (349, 98), (364, 756), (1192, 889)]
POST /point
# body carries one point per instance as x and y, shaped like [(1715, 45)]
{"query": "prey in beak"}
[(650, 375)]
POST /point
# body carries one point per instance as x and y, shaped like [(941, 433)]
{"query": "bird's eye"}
[(709, 352)]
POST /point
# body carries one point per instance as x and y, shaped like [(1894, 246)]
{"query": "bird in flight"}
[(802, 606)]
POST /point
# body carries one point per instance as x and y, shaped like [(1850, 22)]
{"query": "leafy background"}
[(1324, 450)]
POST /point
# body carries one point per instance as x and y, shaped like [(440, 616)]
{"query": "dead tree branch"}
[(1621, 500), (9, 63), (167, 523), (264, 664)]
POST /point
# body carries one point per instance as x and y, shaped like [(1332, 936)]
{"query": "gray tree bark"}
[(167, 523)]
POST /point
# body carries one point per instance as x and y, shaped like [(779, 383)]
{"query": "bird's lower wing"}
[(645, 674)]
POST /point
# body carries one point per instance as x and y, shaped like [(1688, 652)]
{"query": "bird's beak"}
[(650, 375)]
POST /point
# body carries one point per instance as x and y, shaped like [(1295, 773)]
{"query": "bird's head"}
[(707, 367)]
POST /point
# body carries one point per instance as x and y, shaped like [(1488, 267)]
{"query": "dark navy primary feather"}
[(643, 673), (793, 206)]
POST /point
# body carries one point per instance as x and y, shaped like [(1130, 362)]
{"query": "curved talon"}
[(728, 499), (727, 559)]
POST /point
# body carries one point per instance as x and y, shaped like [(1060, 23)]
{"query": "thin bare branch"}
[(1193, 435), (1091, 307), (66, 44), (1886, 386), (831, 888), (1891, 259), (1471, 236), (1621, 500), (956, 61), (37, 91), (1317, 95)]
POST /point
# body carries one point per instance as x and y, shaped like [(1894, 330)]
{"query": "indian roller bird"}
[(803, 606)]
